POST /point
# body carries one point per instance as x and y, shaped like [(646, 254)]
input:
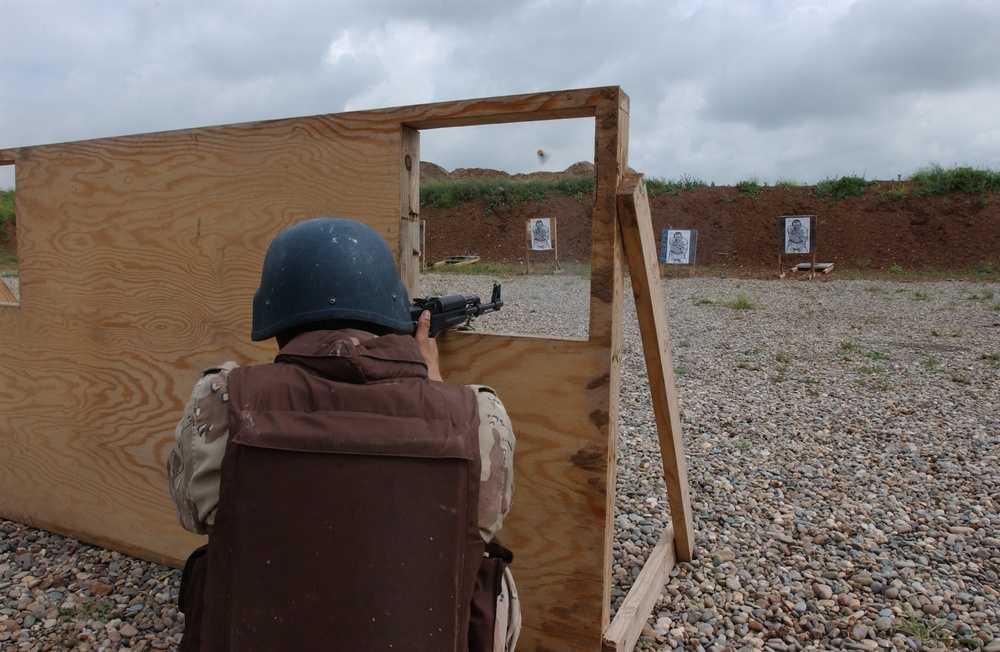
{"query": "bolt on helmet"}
[(329, 269)]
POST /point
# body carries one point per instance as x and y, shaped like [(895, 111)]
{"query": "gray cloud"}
[(720, 90)]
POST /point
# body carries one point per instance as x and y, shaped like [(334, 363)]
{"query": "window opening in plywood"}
[(10, 293), (511, 203)]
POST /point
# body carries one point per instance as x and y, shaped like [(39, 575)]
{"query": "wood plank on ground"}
[(631, 617)]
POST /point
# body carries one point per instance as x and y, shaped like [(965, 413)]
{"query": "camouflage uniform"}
[(201, 436)]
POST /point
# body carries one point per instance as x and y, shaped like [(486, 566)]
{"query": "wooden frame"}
[(138, 257)]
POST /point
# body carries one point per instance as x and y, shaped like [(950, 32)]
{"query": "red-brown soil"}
[(874, 231), (738, 234)]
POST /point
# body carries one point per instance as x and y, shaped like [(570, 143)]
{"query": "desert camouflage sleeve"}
[(496, 446), (199, 443)]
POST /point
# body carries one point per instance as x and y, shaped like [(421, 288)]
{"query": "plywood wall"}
[(138, 259)]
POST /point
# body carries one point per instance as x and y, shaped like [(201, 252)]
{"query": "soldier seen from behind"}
[(351, 498)]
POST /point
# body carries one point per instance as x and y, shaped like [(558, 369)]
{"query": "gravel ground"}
[(843, 442)]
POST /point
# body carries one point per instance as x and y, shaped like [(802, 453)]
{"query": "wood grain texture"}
[(409, 210), (640, 248), (607, 289), (138, 259), (555, 392)]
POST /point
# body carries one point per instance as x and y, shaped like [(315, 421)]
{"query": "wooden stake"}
[(527, 247)]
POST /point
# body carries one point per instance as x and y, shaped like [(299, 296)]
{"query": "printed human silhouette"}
[(540, 236), (797, 239), (677, 248)]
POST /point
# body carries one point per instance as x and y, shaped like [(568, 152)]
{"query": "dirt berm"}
[(890, 226)]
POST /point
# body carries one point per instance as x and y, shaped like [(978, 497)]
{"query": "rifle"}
[(453, 310)]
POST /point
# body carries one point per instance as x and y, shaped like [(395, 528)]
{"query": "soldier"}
[(351, 498)]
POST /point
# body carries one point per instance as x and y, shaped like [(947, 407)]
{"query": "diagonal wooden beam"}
[(640, 252), (631, 617)]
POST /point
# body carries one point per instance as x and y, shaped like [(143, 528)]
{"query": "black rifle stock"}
[(453, 310)]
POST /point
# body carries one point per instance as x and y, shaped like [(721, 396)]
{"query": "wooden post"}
[(527, 248), (423, 245), (409, 209), (555, 243)]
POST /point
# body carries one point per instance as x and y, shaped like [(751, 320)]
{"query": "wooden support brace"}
[(624, 630), (7, 295), (640, 251)]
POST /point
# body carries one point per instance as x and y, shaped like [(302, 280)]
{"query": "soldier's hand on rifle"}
[(428, 346)]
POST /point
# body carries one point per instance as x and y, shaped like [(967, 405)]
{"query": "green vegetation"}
[(877, 355), (984, 268), (486, 268), (847, 347), (97, 610), (987, 295), (935, 180), (922, 630), (741, 302), (780, 374), (6, 212), (897, 192), (931, 180), (750, 189), (842, 188), (656, 186), (507, 193)]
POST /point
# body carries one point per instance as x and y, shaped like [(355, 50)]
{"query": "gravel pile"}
[(843, 443)]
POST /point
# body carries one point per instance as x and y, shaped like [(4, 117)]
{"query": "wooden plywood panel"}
[(138, 258), (556, 523)]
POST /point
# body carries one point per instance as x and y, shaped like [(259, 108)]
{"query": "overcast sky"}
[(721, 90)]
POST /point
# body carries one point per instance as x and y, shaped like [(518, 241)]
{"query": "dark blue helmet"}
[(329, 269)]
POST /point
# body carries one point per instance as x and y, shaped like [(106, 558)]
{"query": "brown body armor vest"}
[(347, 515)]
